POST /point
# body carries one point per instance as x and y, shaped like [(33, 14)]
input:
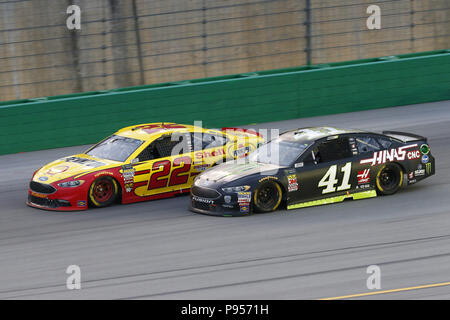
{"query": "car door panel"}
[(324, 179)]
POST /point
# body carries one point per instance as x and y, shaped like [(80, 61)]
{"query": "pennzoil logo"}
[(399, 154), (81, 203)]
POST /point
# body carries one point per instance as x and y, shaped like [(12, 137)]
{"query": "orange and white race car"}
[(137, 163)]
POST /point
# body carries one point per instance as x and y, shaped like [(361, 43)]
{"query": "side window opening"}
[(310, 157), (212, 141), (165, 146), (149, 153), (333, 150), (182, 143), (207, 140), (367, 144), (385, 143)]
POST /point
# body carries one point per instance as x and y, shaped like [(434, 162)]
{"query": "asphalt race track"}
[(160, 250)]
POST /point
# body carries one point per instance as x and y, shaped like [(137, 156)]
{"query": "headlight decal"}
[(71, 184), (236, 189)]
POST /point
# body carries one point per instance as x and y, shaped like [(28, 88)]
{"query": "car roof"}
[(311, 134), (150, 131)]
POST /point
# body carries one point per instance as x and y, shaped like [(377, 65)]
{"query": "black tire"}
[(103, 192), (267, 197), (389, 179)]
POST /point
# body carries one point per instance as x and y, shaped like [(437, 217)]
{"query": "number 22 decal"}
[(180, 175), (329, 179)]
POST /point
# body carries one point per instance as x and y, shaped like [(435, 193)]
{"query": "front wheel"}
[(267, 197), (389, 179), (103, 192)]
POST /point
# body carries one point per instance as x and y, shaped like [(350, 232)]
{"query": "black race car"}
[(313, 166)]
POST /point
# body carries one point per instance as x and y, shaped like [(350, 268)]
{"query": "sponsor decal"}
[(428, 168), (227, 199), (38, 195), (292, 183), (242, 151), (201, 167), (128, 186), (425, 159), (289, 171), (244, 198), (412, 181), (208, 154), (411, 175), (413, 155), (227, 206), (203, 200), (43, 178), (103, 173), (419, 173), (267, 178), (56, 170), (399, 154), (363, 186), (424, 149), (81, 203), (128, 173), (363, 176), (85, 162), (152, 128), (245, 209)]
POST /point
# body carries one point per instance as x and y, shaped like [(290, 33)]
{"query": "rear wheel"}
[(267, 197), (389, 179), (103, 192)]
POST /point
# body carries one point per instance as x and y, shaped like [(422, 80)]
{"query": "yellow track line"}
[(442, 284)]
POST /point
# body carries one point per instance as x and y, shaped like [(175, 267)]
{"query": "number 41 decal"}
[(329, 179)]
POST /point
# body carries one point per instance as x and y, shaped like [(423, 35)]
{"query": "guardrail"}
[(84, 118)]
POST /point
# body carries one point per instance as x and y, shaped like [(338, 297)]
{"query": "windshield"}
[(279, 152), (115, 148)]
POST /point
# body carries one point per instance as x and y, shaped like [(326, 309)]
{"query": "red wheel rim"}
[(103, 190)]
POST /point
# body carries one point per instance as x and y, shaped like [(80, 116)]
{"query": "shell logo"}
[(57, 170)]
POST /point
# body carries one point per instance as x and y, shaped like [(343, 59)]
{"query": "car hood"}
[(71, 166), (231, 171)]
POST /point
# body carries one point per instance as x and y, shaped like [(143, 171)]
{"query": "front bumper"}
[(217, 206), (62, 199)]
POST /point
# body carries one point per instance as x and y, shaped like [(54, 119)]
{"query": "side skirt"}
[(355, 196)]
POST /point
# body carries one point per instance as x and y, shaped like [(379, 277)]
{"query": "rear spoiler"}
[(243, 131), (404, 136)]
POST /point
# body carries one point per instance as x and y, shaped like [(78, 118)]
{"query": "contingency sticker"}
[(244, 199), (128, 177), (292, 183)]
